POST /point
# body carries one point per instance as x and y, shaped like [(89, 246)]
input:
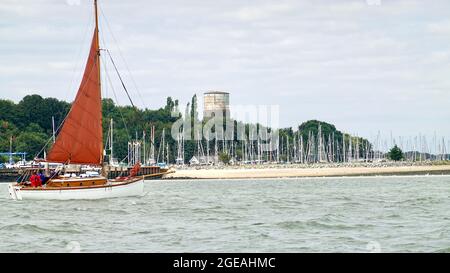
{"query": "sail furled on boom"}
[(80, 140)]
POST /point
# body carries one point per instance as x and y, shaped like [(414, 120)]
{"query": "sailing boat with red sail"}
[(80, 141)]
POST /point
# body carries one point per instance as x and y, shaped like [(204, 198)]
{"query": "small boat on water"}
[(79, 188), (80, 141)]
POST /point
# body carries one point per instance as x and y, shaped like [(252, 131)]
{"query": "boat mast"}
[(167, 145), (111, 142), (53, 129), (97, 32), (344, 155), (207, 149), (143, 144), (163, 144), (10, 150), (97, 42), (153, 145)]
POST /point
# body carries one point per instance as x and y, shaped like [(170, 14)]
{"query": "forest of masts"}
[(300, 148)]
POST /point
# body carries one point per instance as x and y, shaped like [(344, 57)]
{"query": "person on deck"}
[(43, 177), (35, 180), (32, 179)]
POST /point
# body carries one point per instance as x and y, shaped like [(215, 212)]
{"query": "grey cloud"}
[(365, 68)]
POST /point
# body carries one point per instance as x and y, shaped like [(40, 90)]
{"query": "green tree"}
[(194, 113), (31, 142), (169, 104), (4, 158), (395, 154), (7, 111), (224, 157), (7, 130)]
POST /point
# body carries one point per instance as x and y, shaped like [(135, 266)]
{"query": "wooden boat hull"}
[(112, 189)]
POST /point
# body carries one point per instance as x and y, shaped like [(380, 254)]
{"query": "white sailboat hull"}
[(110, 190)]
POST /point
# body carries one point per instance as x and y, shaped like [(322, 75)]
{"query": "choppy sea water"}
[(372, 214)]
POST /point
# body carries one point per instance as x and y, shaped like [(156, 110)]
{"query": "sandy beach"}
[(284, 172)]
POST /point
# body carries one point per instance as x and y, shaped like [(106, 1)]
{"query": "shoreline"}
[(274, 173), (307, 178)]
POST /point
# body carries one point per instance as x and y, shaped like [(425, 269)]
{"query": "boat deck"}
[(70, 184)]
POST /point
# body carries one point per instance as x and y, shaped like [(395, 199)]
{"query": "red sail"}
[(80, 140)]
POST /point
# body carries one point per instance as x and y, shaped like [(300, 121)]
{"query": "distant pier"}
[(10, 175), (148, 171)]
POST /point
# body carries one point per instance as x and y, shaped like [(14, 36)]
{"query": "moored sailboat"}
[(80, 141)]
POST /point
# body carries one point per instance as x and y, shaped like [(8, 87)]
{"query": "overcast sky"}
[(363, 65)]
